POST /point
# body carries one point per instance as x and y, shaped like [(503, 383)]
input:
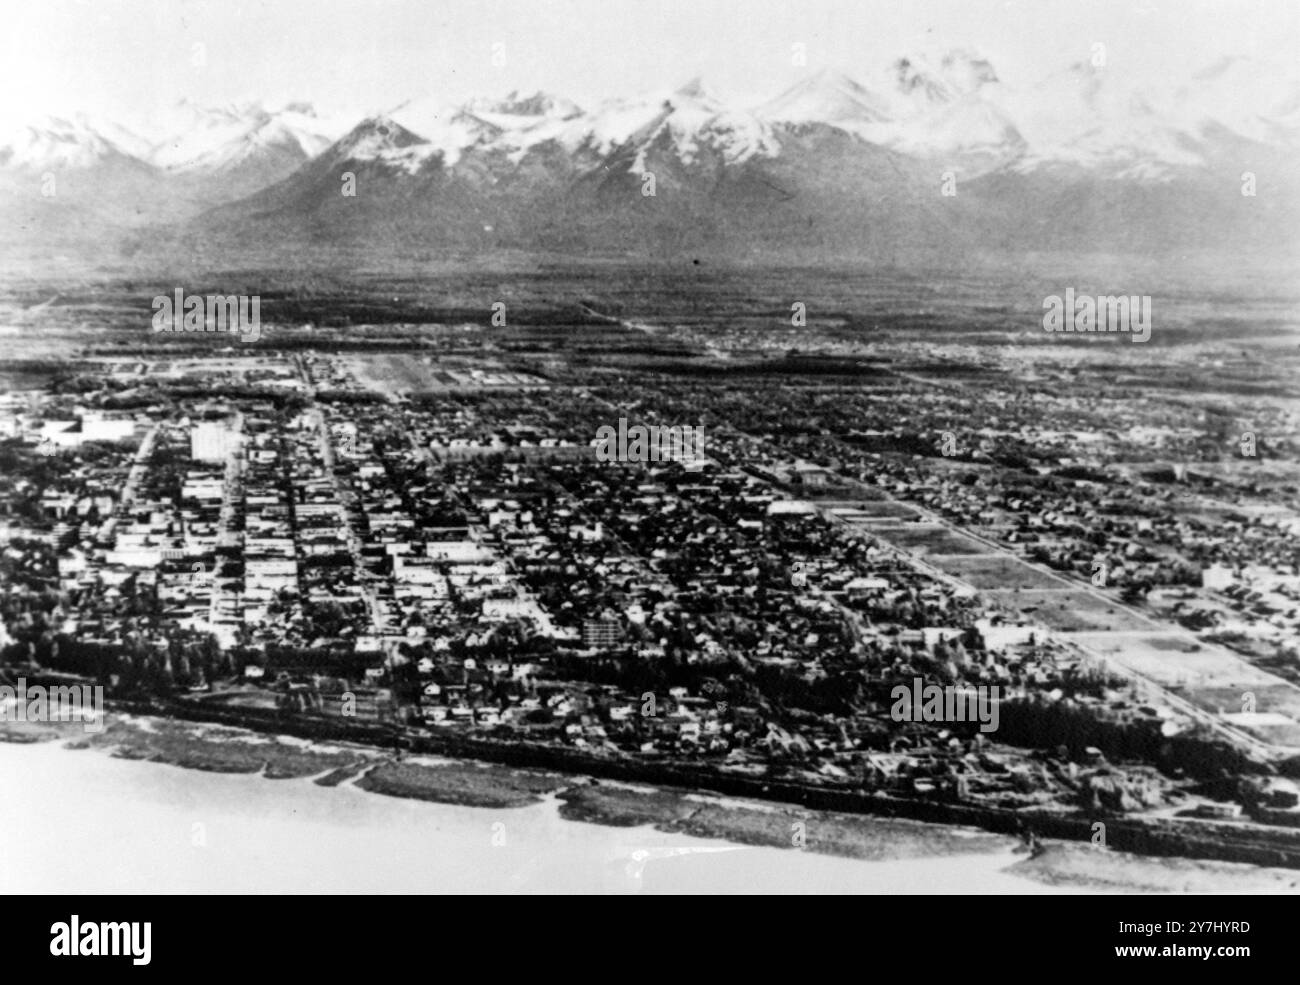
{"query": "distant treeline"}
[(41, 367), (350, 397), (1037, 723), (347, 310), (279, 398), (786, 366)]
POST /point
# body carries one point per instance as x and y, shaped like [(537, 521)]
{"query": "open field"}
[(401, 372), (874, 512), (1067, 610), (1274, 727), (1176, 661), (1218, 681), (927, 540), (995, 571)]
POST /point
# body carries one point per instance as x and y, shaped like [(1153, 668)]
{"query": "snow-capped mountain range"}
[(930, 106), (828, 135), (187, 138)]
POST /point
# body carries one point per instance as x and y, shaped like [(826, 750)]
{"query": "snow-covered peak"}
[(969, 127), (1256, 99), (699, 119), (60, 142), (687, 121), (213, 138), (514, 122), (1084, 117), (609, 125), (374, 137), (931, 106), (445, 130), (938, 104), (827, 96)]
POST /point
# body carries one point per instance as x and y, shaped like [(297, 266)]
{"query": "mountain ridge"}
[(933, 151)]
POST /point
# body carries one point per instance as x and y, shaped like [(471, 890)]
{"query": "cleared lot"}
[(1067, 610), (929, 539), (995, 571)]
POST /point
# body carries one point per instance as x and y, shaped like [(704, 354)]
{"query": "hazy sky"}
[(123, 57)]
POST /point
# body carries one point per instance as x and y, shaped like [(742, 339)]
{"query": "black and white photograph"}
[(680, 448)]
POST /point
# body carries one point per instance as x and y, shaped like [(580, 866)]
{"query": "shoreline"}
[(614, 803), (1169, 837)]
